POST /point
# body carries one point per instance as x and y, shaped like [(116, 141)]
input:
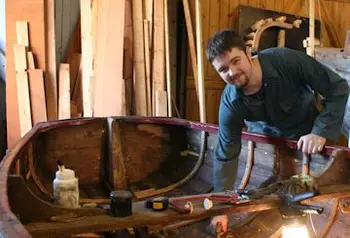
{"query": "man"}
[(272, 93)]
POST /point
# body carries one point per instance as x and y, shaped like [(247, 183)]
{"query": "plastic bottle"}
[(65, 187)]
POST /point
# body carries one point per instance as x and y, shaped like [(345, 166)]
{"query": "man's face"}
[(234, 67)]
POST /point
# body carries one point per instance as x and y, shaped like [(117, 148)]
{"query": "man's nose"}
[(232, 72)]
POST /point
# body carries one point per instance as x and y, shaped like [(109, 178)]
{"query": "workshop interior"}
[(109, 121)]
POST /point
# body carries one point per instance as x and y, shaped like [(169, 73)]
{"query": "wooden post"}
[(311, 42), (201, 86), (51, 69), (191, 42), (87, 54), (167, 58)]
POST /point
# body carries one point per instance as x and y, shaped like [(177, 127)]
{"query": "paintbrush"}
[(60, 165)]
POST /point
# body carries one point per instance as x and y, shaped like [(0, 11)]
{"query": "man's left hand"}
[(311, 143)]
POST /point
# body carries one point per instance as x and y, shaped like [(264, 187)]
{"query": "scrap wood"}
[(87, 53), (64, 92), (140, 98), (37, 95), (167, 59), (50, 58), (33, 13)]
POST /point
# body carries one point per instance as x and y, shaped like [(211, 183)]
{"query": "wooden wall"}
[(219, 14)]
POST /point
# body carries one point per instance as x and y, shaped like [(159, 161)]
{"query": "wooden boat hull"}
[(149, 156)]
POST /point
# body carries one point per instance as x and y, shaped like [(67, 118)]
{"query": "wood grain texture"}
[(50, 50), (140, 94), (64, 92), (87, 54), (109, 59), (37, 95), (216, 16), (37, 45), (158, 67)]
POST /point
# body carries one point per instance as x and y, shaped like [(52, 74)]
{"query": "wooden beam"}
[(140, 98), (109, 59), (64, 93), (22, 33), (147, 67), (311, 43), (201, 85), (37, 95), (51, 71), (30, 60), (87, 53), (22, 89), (161, 106), (158, 71), (167, 59), (74, 61), (148, 6), (191, 42)]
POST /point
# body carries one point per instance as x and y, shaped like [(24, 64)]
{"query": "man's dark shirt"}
[(284, 107)]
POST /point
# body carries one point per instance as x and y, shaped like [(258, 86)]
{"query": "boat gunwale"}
[(7, 161)]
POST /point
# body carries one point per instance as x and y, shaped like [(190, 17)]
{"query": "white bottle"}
[(66, 188)]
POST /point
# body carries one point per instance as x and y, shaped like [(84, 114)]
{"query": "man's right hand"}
[(223, 220)]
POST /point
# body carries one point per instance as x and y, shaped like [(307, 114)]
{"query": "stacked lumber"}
[(30, 66), (119, 62), (125, 58)]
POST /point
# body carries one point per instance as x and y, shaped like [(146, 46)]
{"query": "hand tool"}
[(163, 203)]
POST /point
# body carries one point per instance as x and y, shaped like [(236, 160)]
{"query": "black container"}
[(121, 203)]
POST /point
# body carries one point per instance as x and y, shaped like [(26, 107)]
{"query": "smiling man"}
[(271, 92)]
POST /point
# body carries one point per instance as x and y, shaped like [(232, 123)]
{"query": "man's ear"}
[(248, 51)]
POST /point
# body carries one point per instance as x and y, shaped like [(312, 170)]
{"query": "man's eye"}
[(224, 70), (236, 61)]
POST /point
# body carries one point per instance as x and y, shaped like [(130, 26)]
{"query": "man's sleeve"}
[(330, 85), (231, 116)]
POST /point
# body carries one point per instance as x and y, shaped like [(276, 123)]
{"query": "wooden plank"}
[(140, 98), (76, 94), (64, 92), (22, 33), (191, 41), (87, 54), (31, 11), (30, 60), (213, 28), (23, 102), (224, 21), (74, 61), (37, 95), (279, 5), (173, 24), (201, 83), (128, 73), (347, 42), (148, 6), (160, 103), (147, 67), (158, 71), (167, 58), (109, 59), (20, 58), (50, 72)]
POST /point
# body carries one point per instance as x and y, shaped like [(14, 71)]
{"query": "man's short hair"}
[(223, 41)]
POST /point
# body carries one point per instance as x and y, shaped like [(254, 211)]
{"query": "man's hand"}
[(215, 222), (311, 143)]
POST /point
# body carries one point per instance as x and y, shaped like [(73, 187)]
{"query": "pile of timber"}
[(118, 62), (125, 58)]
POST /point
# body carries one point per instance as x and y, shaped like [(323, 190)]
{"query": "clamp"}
[(291, 204)]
